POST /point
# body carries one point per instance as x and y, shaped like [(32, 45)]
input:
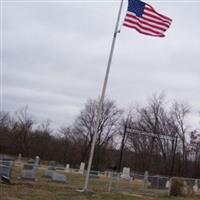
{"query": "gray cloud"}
[(55, 55)]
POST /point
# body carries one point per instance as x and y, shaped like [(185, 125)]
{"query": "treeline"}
[(160, 140)]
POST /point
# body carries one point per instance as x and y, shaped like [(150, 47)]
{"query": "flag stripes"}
[(150, 23)]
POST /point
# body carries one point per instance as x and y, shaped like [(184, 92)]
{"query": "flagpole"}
[(100, 106)]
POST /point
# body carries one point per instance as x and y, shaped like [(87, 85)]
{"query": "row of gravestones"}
[(29, 172), (93, 173), (29, 169), (36, 161), (80, 171), (158, 182), (149, 181)]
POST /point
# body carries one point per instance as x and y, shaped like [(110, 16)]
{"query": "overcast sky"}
[(55, 56)]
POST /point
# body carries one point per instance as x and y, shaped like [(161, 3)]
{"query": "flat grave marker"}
[(59, 178), (49, 172)]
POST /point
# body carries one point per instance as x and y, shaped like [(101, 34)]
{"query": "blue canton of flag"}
[(143, 18), (136, 7)]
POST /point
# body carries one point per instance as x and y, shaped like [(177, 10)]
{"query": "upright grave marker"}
[(49, 172), (29, 172), (5, 171), (126, 173), (19, 159), (82, 168), (67, 169), (37, 160)]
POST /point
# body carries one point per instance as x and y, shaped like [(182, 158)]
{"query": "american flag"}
[(143, 18)]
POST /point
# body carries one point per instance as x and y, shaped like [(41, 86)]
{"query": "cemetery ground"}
[(44, 189)]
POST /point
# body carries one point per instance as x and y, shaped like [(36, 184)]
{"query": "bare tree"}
[(179, 113), (84, 128), (22, 128), (155, 119), (4, 131), (194, 148)]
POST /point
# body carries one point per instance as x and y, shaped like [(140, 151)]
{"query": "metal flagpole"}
[(102, 99)]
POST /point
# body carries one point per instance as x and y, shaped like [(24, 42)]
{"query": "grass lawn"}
[(44, 189)]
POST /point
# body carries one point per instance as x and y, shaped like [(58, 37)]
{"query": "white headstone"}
[(168, 185), (37, 160), (110, 174), (19, 159), (196, 188), (67, 168), (146, 177), (126, 173), (82, 168)]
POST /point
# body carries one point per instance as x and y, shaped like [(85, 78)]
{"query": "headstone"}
[(8, 163), (82, 168), (198, 182), (49, 172), (146, 176), (37, 160), (6, 157), (59, 177), (31, 161), (29, 172), (126, 173), (109, 174), (5, 171), (196, 188), (94, 174), (158, 182), (60, 167), (52, 163), (50, 167), (168, 184), (67, 169), (19, 159), (102, 174)]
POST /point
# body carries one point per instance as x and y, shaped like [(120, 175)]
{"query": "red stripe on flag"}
[(151, 20), (142, 27), (143, 32), (150, 8), (129, 14), (146, 23), (155, 17)]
